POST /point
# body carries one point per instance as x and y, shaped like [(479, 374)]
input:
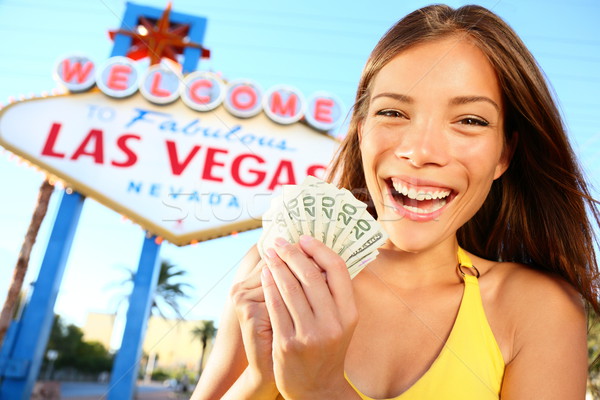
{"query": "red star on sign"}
[(158, 39)]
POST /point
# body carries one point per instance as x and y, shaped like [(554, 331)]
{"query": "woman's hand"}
[(313, 318), (257, 335)]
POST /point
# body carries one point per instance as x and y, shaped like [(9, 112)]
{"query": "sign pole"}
[(126, 365), (23, 364)]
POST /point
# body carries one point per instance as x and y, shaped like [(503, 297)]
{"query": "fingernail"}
[(281, 242), (270, 253), (306, 239)]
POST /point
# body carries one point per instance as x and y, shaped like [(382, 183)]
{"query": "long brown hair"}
[(536, 213)]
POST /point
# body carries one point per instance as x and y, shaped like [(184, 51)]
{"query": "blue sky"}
[(313, 45)]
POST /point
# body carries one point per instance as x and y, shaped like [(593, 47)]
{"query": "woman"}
[(460, 147)]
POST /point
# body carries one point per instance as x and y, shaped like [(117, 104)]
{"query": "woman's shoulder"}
[(523, 285), (528, 305)]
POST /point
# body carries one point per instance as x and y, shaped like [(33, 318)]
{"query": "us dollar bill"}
[(276, 223), (331, 215), (349, 212)]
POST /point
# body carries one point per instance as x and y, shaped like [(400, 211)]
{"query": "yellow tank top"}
[(470, 365)]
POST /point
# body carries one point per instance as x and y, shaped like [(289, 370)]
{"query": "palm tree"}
[(12, 297), (204, 332), (167, 293), (594, 353)]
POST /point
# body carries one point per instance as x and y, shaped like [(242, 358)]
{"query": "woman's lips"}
[(423, 202)]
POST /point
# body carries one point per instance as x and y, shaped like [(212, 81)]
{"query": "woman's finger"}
[(281, 320), (241, 297), (290, 288), (338, 278), (310, 276)]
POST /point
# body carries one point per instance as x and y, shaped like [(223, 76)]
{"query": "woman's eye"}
[(472, 121), (390, 113)]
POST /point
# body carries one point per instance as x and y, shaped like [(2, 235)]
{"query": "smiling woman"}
[(439, 131), (478, 292)]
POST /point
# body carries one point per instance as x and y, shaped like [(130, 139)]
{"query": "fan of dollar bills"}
[(333, 216)]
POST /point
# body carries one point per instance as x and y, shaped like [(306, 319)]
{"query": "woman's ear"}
[(507, 154)]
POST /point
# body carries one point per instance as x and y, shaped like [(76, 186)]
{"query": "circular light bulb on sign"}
[(202, 91), (243, 98), (160, 84), (324, 111), (76, 73), (118, 77), (284, 104)]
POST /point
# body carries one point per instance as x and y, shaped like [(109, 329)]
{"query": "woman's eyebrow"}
[(396, 96), (472, 99), (455, 101)]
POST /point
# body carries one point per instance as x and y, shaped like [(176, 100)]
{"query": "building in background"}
[(170, 343), (99, 327)]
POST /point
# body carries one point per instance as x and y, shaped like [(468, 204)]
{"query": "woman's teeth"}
[(434, 207), (413, 194), (419, 201)]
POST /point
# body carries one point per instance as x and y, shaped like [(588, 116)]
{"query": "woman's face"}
[(432, 140)]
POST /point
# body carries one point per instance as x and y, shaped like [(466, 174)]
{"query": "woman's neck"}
[(436, 265)]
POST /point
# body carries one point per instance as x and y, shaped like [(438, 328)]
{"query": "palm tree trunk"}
[(201, 366), (20, 270)]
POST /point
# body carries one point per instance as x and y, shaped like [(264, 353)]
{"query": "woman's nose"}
[(423, 143)]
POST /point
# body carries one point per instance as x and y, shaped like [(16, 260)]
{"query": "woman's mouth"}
[(418, 202)]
